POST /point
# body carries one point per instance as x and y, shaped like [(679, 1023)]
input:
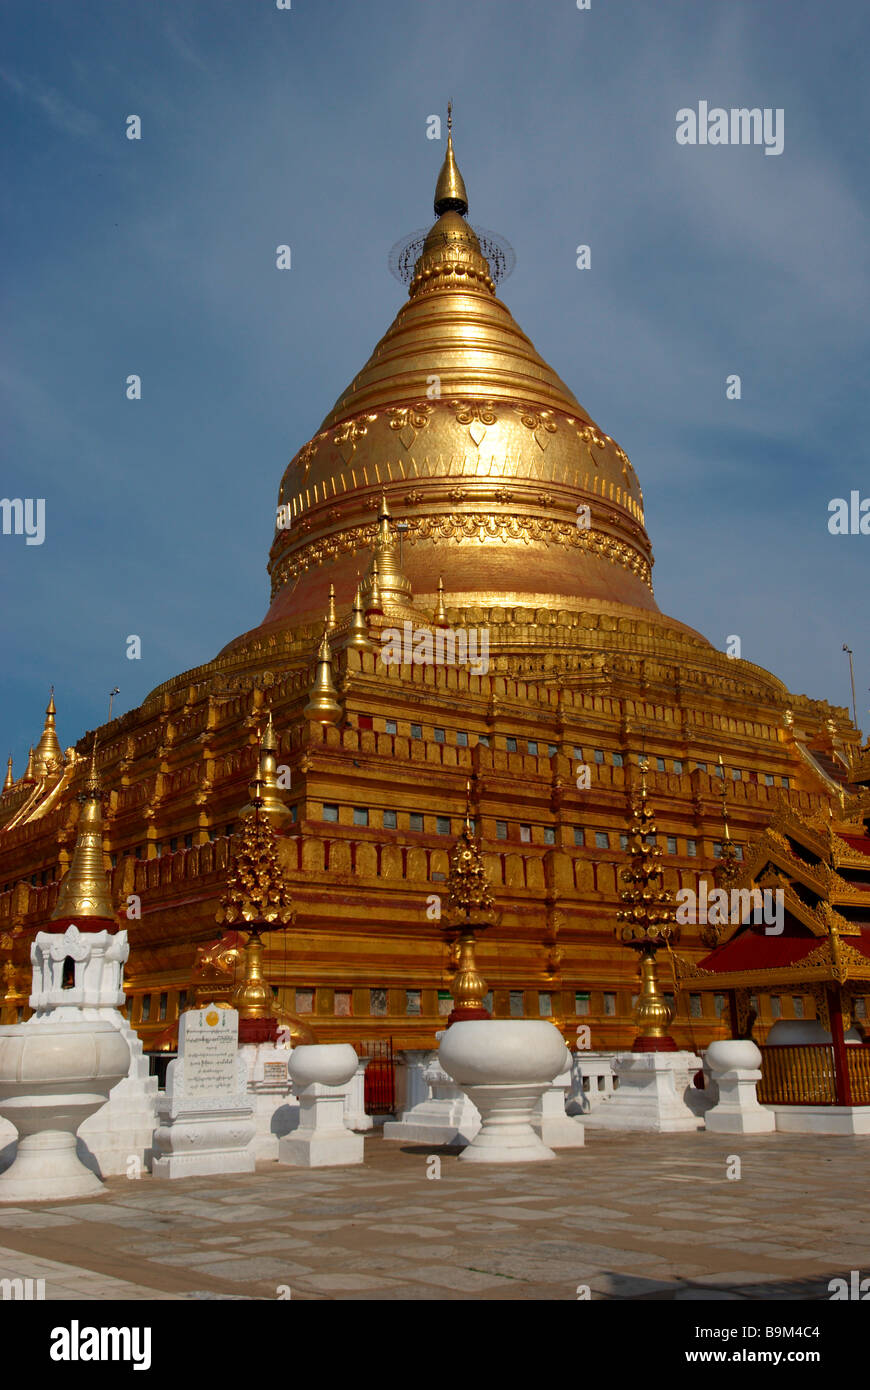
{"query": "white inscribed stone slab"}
[(208, 1042)]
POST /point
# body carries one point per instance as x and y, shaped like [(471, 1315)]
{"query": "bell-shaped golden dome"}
[(495, 475)]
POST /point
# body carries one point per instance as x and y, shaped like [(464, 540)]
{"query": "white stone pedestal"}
[(117, 1139), (650, 1095), (206, 1115), (355, 1116), (203, 1134), (735, 1064), (551, 1124), (276, 1109), (322, 1139), (321, 1076), (443, 1114), (821, 1119)]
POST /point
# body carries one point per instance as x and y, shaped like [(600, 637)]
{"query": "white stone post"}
[(735, 1064), (321, 1073)]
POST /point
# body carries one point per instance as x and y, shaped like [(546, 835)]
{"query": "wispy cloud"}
[(62, 113)]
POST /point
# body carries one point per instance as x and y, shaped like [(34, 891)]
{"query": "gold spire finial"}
[(374, 604), (263, 788), (29, 774), (84, 889), (450, 194), (440, 619), (385, 579), (49, 755), (358, 633), (10, 780), (323, 706), (331, 618)]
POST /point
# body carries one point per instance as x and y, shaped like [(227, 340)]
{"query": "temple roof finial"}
[(48, 756), (450, 194)]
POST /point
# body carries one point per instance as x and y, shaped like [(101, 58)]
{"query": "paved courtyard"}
[(630, 1216)]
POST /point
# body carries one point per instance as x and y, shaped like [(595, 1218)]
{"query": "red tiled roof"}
[(753, 950)]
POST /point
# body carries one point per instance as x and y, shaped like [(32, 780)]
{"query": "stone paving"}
[(632, 1216)]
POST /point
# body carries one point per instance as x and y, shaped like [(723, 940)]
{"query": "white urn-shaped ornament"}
[(53, 1076), (504, 1066), (321, 1074)]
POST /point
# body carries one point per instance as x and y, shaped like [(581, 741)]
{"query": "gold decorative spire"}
[(256, 890), (648, 921), (263, 788), (470, 908), (29, 774), (374, 602), (10, 780), (384, 581), (450, 194), (323, 706), (727, 871), (440, 619), (253, 997), (84, 889), (49, 754), (358, 633), (331, 619), (470, 902)]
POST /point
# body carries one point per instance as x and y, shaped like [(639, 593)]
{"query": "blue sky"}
[(308, 127)]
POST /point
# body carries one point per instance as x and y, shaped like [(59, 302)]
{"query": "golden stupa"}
[(457, 485)]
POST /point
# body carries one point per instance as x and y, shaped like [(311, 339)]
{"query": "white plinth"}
[(321, 1075), (203, 1134), (52, 1078), (735, 1065), (355, 1116), (442, 1115), (821, 1119), (650, 1095), (276, 1109), (505, 1067), (551, 1124), (116, 1141)]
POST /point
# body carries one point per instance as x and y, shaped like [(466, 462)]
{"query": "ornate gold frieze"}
[(477, 526)]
